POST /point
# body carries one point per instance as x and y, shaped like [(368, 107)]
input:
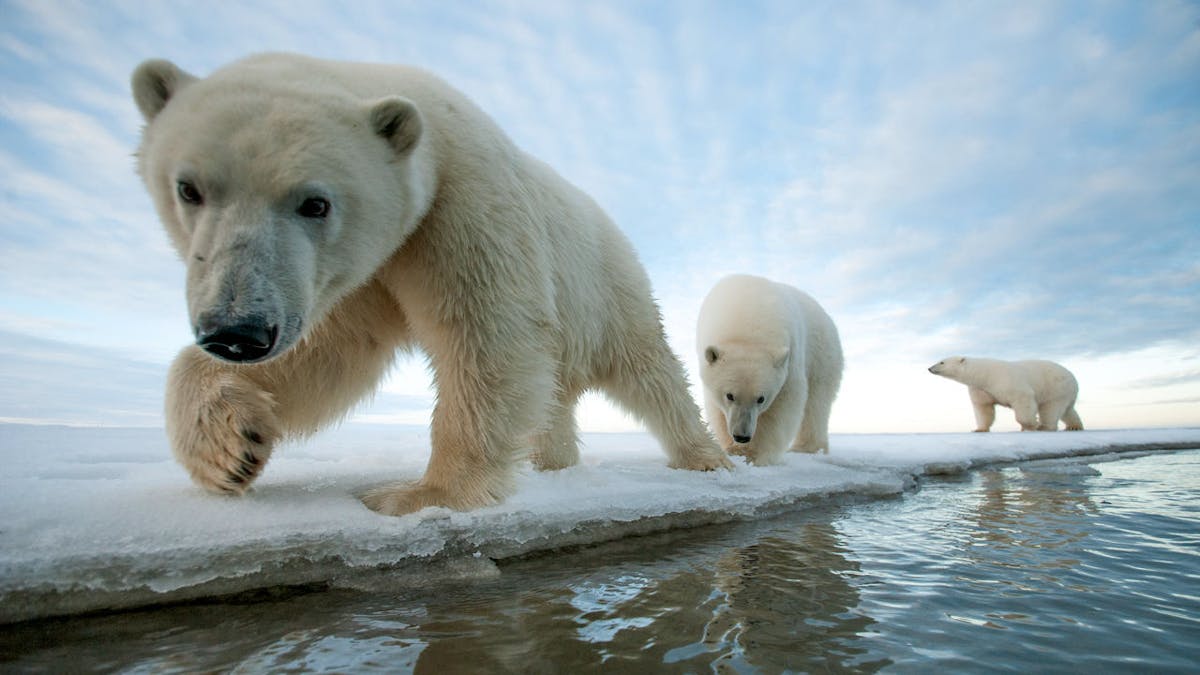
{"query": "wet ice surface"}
[(1072, 565), (103, 518)]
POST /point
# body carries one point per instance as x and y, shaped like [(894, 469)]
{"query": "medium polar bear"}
[(330, 214), (1039, 392), (771, 364)]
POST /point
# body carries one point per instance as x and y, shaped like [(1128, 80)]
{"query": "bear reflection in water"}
[(688, 600)]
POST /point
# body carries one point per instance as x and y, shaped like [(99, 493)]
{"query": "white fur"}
[(771, 363), (441, 235), (1040, 393)]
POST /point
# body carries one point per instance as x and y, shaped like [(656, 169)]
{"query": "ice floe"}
[(103, 518)]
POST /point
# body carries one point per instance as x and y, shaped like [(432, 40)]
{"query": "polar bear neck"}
[(973, 372)]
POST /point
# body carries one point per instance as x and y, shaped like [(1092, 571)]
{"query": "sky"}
[(1003, 179)]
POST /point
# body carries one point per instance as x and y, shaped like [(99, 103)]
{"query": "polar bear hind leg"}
[(655, 391), (1071, 419), (558, 446), (814, 428), (1049, 413), (1026, 411)]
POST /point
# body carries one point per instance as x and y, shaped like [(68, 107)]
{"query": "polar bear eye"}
[(728, 397), (761, 399), (314, 207), (188, 193)]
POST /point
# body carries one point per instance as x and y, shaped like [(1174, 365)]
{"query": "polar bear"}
[(1040, 393), (330, 214), (771, 364)]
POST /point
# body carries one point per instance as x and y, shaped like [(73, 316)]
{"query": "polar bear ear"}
[(779, 357), (154, 83), (398, 121), (711, 355)]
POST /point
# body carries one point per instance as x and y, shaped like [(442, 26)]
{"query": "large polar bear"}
[(771, 364), (330, 214), (1040, 393)]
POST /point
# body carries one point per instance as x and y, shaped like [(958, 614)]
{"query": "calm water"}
[(1051, 567)]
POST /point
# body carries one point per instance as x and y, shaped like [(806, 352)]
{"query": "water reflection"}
[(1028, 566), (786, 602), (1023, 511), (781, 601), (1024, 541)]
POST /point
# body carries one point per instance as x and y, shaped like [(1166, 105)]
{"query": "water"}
[(1047, 567)]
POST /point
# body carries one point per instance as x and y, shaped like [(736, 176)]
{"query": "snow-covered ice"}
[(98, 518)]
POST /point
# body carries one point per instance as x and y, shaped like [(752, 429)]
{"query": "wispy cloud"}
[(1168, 380)]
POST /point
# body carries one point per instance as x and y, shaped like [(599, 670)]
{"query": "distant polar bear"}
[(1040, 393), (771, 364), (331, 214)]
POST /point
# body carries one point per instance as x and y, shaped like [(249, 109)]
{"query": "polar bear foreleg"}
[(985, 409), (224, 419), (484, 414), (470, 465), (222, 425), (778, 427), (718, 423), (985, 416)]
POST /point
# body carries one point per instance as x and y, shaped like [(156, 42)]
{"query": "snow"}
[(103, 518)]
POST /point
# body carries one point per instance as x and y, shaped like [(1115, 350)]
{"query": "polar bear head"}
[(281, 191), (743, 381), (953, 367)]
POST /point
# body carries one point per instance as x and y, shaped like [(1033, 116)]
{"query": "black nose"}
[(742, 439), (242, 342)]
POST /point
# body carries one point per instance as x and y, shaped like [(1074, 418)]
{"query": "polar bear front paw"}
[(739, 449), (222, 429), (403, 498), (702, 457)]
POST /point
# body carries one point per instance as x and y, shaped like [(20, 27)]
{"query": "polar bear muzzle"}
[(250, 339), (742, 420)]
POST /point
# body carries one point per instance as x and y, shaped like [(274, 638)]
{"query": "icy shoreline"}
[(94, 519)]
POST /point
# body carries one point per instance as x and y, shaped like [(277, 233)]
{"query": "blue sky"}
[(1004, 179)]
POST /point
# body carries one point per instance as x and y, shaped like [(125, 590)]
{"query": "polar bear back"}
[(1002, 379), (749, 310), (1048, 378)]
